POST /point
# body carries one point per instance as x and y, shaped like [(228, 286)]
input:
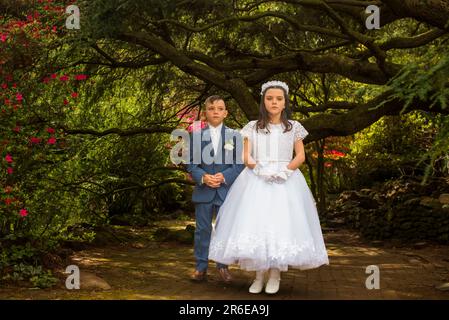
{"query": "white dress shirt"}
[(215, 135)]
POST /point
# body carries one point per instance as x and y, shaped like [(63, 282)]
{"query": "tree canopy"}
[(356, 75)]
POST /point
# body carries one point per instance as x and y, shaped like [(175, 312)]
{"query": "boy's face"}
[(216, 112)]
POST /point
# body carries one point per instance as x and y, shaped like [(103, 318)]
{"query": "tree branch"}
[(120, 132), (361, 116), (288, 18), (433, 12)]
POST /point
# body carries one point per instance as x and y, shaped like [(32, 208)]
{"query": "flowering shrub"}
[(27, 135)]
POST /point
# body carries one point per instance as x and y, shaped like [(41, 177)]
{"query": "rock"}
[(420, 245), (430, 202), (444, 198), (368, 203), (91, 281), (365, 190), (349, 195), (443, 287), (412, 202), (349, 206)]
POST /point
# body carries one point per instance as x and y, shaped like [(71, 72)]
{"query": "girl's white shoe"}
[(258, 283), (272, 286), (257, 286)]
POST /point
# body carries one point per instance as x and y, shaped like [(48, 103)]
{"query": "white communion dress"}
[(266, 224)]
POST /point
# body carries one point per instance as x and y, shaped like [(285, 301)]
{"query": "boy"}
[(219, 165)]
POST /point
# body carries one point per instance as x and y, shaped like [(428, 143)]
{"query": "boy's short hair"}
[(212, 99)]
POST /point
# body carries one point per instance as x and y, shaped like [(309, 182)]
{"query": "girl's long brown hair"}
[(264, 117)]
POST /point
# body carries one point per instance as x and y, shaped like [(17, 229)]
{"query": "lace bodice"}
[(276, 145)]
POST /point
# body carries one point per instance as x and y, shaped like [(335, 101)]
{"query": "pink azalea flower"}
[(4, 86), (66, 102), (3, 37), (50, 130), (51, 140), (20, 24), (64, 78), (53, 76), (9, 170), (8, 201), (74, 94), (35, 140), (80, 77), (19, 97), (17, 129), (23, 212), (46, 80), (8, 158), (194, 127)]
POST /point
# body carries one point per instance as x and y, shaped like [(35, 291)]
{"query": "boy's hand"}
[(211, 181), (220, 176)]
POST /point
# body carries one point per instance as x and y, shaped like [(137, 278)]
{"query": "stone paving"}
[(161, 271)]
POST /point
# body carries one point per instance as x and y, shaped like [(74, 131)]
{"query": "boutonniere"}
[(229, 145)]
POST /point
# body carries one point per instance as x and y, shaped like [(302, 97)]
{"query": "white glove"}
[(257, 169), (266, 174), (282, 175)]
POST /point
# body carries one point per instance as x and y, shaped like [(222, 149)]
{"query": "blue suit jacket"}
[(228, 162)]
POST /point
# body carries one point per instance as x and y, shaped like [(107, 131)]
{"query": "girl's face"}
[(274, 101)]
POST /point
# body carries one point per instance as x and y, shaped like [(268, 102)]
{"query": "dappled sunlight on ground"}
[(155, 270)]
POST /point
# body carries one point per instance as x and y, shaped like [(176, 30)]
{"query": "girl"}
[(269, 220)]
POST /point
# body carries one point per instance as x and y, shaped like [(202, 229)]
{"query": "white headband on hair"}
[(275, 83)]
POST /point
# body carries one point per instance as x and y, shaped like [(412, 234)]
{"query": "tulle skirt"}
[(265, 225)]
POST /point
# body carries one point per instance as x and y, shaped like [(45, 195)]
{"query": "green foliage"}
[(437, 156), (419, 83), (392, 147), (425, 79), (23, 263), (44, 280)]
